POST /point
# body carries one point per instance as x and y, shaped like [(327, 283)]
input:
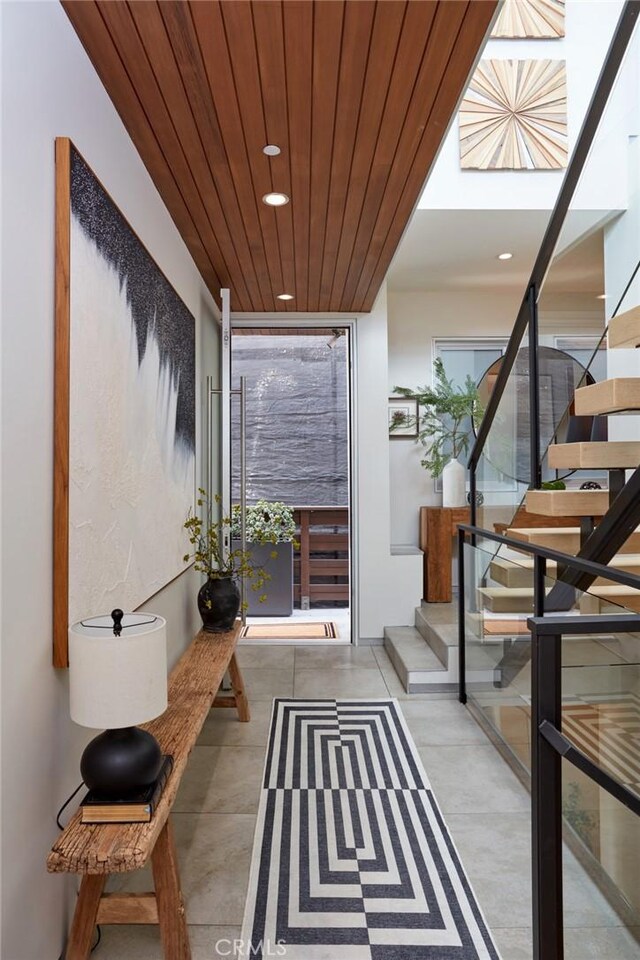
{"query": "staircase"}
[(509, 587), (425, 655)]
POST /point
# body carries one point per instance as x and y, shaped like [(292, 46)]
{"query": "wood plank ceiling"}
[(356, 94)]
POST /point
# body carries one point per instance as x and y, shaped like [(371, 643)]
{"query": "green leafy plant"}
[(208, 531), (266, 522), (444, 426), (553, 485)]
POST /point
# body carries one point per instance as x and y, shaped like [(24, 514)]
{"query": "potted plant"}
[(270, 531), (219, 596), (445, 429)]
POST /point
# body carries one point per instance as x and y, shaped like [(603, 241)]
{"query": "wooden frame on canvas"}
[(169, 310)]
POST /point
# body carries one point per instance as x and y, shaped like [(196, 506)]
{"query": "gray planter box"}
[(279, 589)]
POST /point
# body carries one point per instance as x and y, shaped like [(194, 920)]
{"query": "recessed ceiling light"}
[(271, 150), (505, 256), (601, 296), (285, 296), (275, 199)]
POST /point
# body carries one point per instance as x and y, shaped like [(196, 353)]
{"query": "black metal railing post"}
[(539, 584), (473, 512), (462, 666), (546, 800), (535, 467)]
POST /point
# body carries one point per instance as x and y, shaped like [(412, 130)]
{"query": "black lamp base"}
[(119, 763)]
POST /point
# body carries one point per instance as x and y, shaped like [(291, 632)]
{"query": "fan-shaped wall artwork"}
[(536, 19), (514, 116)]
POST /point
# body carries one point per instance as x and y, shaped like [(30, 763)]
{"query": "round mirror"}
[(507, 447)]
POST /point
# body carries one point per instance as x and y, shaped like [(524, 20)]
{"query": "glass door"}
[(296, 479)]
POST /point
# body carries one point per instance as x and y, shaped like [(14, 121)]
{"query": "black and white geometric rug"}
[(352, 859)]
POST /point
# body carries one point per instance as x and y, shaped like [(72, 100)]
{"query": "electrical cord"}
[(67, 802), (60, 825)]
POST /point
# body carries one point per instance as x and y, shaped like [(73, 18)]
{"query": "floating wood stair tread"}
[(625, 597), (620, 395), (520, 599), (624, 330), (519, 573), (564, 539), (507, 599), (510, 574), (501, 628), (606, 454), (581, 503)]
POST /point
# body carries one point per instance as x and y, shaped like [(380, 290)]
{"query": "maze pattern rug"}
[(352, 859)]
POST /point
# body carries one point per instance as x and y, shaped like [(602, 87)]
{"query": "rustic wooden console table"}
[(97, 850)]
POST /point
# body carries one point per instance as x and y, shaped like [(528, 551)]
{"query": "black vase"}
[(218, 603)]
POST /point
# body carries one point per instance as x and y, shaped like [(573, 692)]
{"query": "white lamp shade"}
[(120, 681)]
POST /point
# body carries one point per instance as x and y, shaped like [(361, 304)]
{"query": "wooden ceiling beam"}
[(101, 50), (269, 32), (358, 23), (298, 58), (420, 142), (170, 57), (385, 36), (414, 45)]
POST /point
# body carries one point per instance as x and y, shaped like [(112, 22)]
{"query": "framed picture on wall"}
[(403, 418), (124, 472)]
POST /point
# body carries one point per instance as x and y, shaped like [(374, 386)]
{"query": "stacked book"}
[(134, 809)]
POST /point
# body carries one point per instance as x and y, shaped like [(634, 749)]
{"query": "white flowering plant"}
[(267, 522)]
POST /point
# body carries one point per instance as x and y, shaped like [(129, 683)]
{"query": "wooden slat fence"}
[(321, 564)]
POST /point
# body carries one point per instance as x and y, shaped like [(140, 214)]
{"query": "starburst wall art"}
[(514, 116), (532, 19), (125, 409)]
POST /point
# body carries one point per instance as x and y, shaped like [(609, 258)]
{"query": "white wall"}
[(50, 89), (390, 585), (415, 318), (589, 27), (622, 247)]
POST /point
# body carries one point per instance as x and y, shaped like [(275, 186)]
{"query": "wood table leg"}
[(84, 917), (171, 912), (242, 704)]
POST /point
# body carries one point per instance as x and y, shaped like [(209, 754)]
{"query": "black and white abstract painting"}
[(132, 410)]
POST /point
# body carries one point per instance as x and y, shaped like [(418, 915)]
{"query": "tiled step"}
[(564, 539), (559, 503), (441, 637), (415, 662), (607, 455), (619, 395), (624, 330), (519, 573)]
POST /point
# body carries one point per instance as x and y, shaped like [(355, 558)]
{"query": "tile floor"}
[(484, 804)]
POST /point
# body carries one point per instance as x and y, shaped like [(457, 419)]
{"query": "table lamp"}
[(118, 678)]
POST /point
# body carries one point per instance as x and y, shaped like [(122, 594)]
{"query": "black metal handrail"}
[(590, 568), (548, 748), (603, 88)]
